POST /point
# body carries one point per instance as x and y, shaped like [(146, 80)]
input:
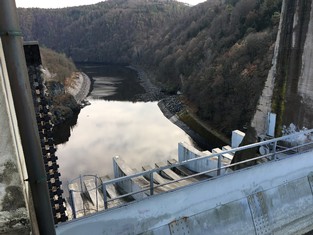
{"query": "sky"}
[(68, 3)]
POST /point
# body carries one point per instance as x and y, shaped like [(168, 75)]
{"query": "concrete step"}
[(206, 153), (112, 193), (158, 179), (170, 174), (186, 172), (77, 200), (68, 206), (134, 184), (226, 158), (227, 147), (93, 193)]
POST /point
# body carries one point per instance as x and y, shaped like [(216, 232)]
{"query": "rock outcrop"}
[(64, 105)]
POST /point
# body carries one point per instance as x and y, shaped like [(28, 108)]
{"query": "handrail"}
[(157, 170), (71, 193), (272, 155)]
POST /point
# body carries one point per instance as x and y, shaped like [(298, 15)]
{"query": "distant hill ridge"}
[(217, 53)]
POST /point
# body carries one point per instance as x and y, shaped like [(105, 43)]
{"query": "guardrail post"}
[(274, 150), (96, 183), (151, 183), (219, 164), (72, 202), (105, 197), (81, 190)]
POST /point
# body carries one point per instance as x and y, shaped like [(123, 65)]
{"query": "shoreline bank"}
[(172, 108), (204, 137), (152, 92), (81, 88)]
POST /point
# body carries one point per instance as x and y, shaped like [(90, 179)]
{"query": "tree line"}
[(217, 53)]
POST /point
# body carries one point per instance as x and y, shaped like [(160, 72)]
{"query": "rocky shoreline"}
[(167, 107), (65, 112), (152, 92), (81, 88), (67, 101), (171, 106)]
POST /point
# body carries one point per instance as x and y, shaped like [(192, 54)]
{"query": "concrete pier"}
[(187, 152)]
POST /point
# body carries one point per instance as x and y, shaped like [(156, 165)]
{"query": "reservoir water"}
[(115, 125)]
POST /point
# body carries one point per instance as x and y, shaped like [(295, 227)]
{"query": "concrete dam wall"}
[(293, 98), (272, 198), (288, 91)]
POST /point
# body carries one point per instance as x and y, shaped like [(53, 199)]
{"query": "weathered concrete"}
[(93, 193), (113, 193), (277, 200), (130, 185), (305, 84), (158, 179), (77, 201), (134, 184), (14, 191), (187, 152), (81, 88), (236, 138), (292, 98), (259, 121), (171, 175)]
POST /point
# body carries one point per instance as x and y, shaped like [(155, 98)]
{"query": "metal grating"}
[(179, 227), (259, 214)]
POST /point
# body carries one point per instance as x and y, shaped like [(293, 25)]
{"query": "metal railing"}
[(277, 146), (83, 193)]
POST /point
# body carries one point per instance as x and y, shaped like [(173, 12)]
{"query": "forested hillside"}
[(217, 53), (110, 31), (219, 56)]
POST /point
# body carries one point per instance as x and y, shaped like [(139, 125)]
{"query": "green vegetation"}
[(114, 31), (217, 53), (219, 57)]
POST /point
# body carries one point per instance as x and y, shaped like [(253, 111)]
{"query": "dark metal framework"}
[(43, 116), (13, 50)]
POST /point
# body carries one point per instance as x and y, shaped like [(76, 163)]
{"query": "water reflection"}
[(113, 82), (105, 87), (138, 132)]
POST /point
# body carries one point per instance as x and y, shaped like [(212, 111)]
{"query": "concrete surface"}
[(14, 194)]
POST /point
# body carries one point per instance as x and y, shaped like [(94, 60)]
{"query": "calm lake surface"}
[(112, 126)]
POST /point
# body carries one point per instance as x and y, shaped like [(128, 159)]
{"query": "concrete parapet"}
[(15, 200), (236, 138), (128, 185), (277, 200), (188, 152)]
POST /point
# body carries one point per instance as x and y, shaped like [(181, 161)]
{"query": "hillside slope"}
[(109, 31), (217, 53)]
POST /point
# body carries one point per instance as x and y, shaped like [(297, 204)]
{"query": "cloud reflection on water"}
[(138, 132), (105, 86)]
